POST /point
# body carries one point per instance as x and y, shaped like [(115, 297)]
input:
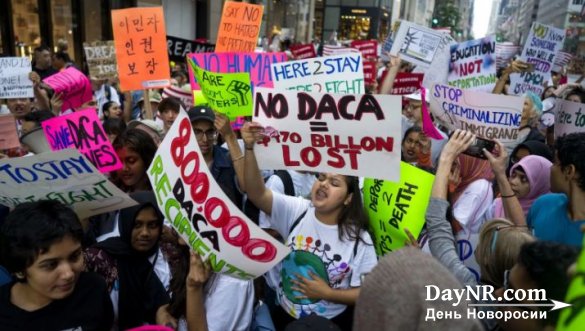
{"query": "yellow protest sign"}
[(391, 207), (229, 94), (573, 317)]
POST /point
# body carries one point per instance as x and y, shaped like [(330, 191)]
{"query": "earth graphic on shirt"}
[(301, 263)]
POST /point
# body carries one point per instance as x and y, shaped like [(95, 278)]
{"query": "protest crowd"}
[(337, 186)]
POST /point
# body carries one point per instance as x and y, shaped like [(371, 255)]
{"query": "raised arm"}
[(257, 192), (223, 125), (388, 82), (515, 66), (441, 239), (199, 273), (512, 206)]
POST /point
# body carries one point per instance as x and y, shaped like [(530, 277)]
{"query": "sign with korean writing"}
[(542, 45), (73, 85), (65, 176), (202, 214), (14, 82), (392, 207), (342, 73), (8, 133), (349, 134), (473, 65), (141, 48), (490, 116), (239, 27), (101, 59), (569, 117), (368, 48), (257, 64), (83, 130), (301, 52), (229, 94), (407, 83), (179, 48), (416, 44)]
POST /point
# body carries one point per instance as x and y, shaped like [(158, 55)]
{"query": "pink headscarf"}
[(537, 169)]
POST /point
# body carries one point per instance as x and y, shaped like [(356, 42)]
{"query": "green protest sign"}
[(391, 207), (229, 94), (573, 317)]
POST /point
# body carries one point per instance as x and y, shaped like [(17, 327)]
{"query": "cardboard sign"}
[(101, 59), (416, 44), (65, 176), (8, 132), (391, 207), (490, 116), (301, 52), (370, 72), (569, 117), (179, 48), (331, 74), (256, 64), (341, 133), (473, 65), (504, 53), (83, 130), (202, 214), (14, 82), (141, 48), (368, 48), (542, 45), (466, 246), (239, 27), (229, 94), (406, 83), (73, 85)]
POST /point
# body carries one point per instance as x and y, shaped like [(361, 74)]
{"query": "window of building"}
[(62, 19), (25, 18)]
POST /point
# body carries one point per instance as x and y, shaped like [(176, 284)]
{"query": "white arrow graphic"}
[(555, 305)]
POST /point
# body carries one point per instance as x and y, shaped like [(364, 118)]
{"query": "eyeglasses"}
[(209, 134), (498, 228)]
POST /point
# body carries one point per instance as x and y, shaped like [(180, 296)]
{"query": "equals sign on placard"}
[(318, 126)]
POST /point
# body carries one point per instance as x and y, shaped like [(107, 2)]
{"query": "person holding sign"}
[(331, 247), (41, 246), (499, 242)]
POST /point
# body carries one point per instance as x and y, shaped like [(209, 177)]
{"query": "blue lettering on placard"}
[(59, 138), (42, 170)]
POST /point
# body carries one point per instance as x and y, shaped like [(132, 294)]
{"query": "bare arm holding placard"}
[(257, 192), (388, 82), (223, 125), (512, 206), (514, 67)]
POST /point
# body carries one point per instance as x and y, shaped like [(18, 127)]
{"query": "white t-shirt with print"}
[(316, 248)]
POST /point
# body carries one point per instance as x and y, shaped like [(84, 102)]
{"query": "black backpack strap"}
[(289, 188), (297, 221)]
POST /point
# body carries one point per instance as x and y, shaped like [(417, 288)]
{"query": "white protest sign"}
[(439, 70), (14, 82), (342, 73), (473, 65), (569, 117), (202, 214), (345, 134), (65, 176), (542, 45), (416, 44), (490, 116)]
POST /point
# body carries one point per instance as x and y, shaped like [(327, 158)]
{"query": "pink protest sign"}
[(82, 130), (73, 85), (257, 64)]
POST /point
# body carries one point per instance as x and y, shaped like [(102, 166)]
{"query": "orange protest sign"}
[(239, 27), (141, 48)]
